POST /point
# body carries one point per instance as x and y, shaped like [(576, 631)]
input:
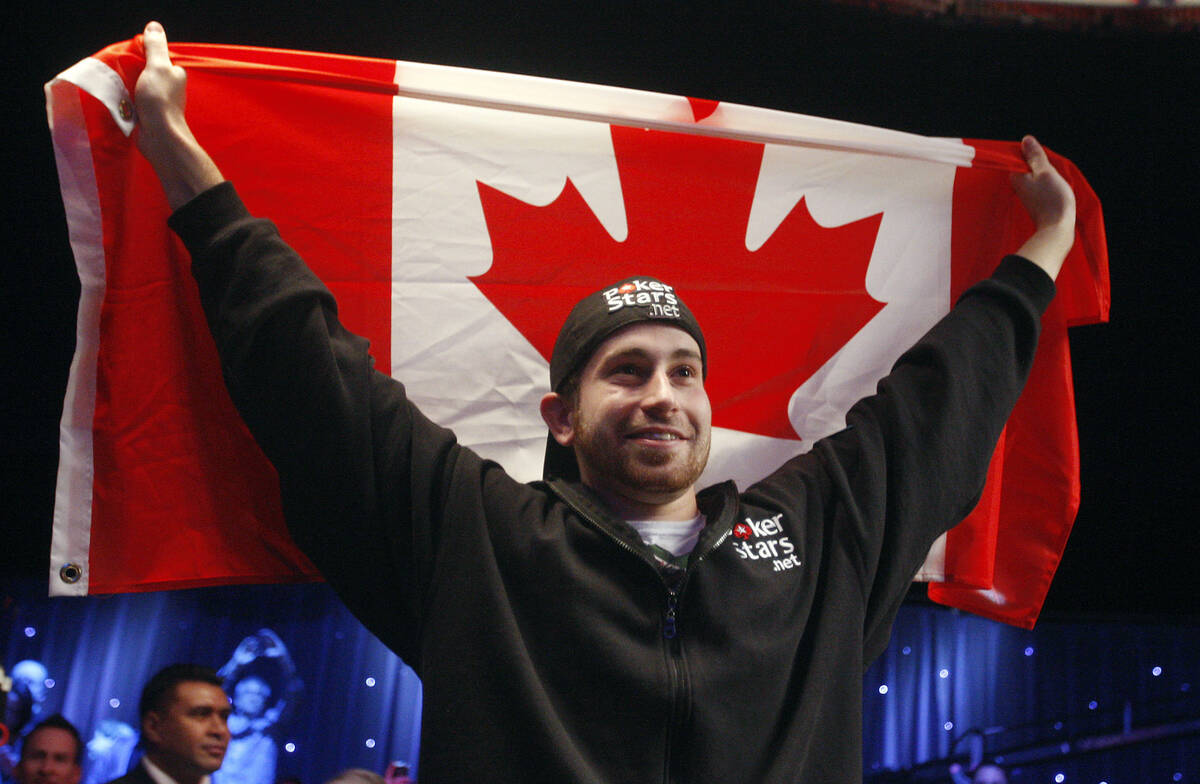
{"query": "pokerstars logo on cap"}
[(657, 298), (603, 312)]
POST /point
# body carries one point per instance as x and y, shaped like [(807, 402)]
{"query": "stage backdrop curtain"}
[(947, 675)]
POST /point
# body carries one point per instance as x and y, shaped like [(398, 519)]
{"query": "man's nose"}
[(660, 393)]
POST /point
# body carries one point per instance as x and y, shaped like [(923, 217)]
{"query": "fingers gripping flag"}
[(457, 215)]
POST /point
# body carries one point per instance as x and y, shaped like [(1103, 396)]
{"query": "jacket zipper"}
[(676, 671), (670, 618), (676, 684)]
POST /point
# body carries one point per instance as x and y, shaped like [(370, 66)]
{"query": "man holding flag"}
[(610, 623)]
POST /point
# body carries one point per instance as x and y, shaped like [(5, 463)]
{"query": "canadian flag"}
[(457, 215)]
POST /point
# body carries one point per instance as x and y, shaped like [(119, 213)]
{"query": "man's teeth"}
[(657, 436)]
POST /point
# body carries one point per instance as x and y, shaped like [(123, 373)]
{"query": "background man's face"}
[(48, 757), (188, 739), (642, 418)]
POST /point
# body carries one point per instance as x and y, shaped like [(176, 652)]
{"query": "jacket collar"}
[(718, 503)]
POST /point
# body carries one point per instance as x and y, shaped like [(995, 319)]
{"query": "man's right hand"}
[(163, 135)]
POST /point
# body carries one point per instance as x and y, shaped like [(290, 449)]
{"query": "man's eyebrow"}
[(627, 353), (641, 353), (209, 709), (685, 353)]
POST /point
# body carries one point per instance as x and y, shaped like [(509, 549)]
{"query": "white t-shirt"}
[(677, 537)]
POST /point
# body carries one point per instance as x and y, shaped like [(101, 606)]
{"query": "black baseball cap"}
[(596, 317)]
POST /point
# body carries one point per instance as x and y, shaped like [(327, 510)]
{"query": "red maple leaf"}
[(771, 317)]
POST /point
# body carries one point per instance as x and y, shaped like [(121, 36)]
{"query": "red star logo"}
[(741, 531)]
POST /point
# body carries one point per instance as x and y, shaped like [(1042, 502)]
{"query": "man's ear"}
[(557, 414), (150, 725)]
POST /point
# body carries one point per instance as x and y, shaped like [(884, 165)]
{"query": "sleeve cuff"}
[(1028, 278), (219, 206)]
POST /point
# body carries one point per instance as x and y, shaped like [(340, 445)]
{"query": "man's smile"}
[(655, 434)]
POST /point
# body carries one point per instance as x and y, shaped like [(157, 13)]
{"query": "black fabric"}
[(550, 645), (136, 775)]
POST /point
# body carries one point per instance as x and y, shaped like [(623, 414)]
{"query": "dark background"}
[(1123, 104)]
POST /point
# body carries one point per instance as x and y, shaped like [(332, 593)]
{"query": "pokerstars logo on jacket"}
[(764, 540), (658, 297)]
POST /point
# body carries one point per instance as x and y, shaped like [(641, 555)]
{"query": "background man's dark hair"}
[(56, 722), (159, 689)]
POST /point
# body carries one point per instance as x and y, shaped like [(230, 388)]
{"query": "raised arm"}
[(915, 455), (163, 135), (360, 469), (1051, 203)]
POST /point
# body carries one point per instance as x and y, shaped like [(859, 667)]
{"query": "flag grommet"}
[(70, 573)]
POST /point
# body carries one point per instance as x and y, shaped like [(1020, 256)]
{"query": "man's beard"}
[(639, 468)]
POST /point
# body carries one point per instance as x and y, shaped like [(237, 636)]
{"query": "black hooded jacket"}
[(551, 646)]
